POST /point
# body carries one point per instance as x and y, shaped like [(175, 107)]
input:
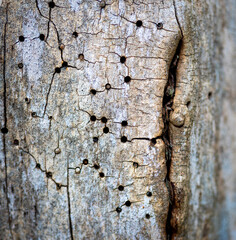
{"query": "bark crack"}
[(5, 118), (47, 96), (68, 199), (177, 19), (169, 94)]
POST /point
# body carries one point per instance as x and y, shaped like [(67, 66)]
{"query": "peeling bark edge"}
[(169, 93)]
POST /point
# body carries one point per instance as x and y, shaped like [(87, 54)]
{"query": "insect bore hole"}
[(93, 118), (106, 130), (121, 188), (127, 79), (93, 91), (81, 56), (108, 86), (128, 203), (123, 139), (139, 23), (118, 209), (159, 25), (122, 59), (21, 38), (85, 161), (104, 120), (124, 123), (135, 165), (75, 34), (51, 4), (96, 166), (42, 37), (102, 175)]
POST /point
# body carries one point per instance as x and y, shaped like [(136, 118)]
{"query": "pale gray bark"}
[(163, 176)]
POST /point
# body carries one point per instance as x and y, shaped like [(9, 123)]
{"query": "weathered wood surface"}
[(66, 176)]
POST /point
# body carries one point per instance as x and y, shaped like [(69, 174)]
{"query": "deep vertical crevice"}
[(68, 199), (169, 93), (5, 117)]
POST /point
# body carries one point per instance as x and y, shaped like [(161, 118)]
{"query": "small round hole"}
[(106, 130), (135, 165), (139, 23), (93, 118), (95, 139), (85, 161), (42, 37), (124, 123), (160, 25), (128, 203), (51, 4), (127, 79), (123, 139), (16, 142), (96, 166), (21, 38), (20, 65), (147, 216), (81, 56), (104, 119), (122, 59), (57, 70), (102, 4), (153, 141), (50, 117), (34, 114), (121, 188), (75, 34), (209, 95), (49, 174), (118, 209), (27, 100), (38, 165), (101, 174), (65, 64), (93, 91), (149, 194), (108, 86), (188, 104)]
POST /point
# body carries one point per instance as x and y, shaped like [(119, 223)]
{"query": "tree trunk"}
[(116, 119)]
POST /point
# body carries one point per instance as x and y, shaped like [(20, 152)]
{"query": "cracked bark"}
[(4, 129), (159, 175)]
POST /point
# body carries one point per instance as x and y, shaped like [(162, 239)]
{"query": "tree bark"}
[(116, 119)]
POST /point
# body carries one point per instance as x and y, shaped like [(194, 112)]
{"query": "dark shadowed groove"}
[(68, 199), (169, 94)]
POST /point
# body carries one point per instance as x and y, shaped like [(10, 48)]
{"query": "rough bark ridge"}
[(101, 109)]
